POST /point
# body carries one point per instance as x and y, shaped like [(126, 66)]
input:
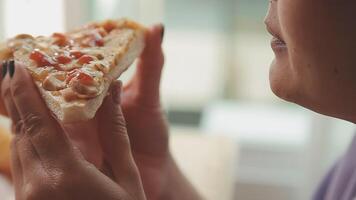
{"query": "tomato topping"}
[(61, 39), (93, 39), (62, 59), (85, 59), (41, 58), (85, 79), (102, 32), (76, 54), (98, 38), (99, 42), (59, 35), (36, 55), (71, 75), (109, 26)]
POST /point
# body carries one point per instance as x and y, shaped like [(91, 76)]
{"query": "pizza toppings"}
[(85, 79), (40, 73), (85, 91), (85, 82), (23, 36), (20, 41), (55, 81), (84, 85), (72, 65), (91, 37), (64, 70), (97, 36), (60, 39), (85, 59), (63, 59), (69, 95), (109, 26), (99, 42), (102, 65), (76, 54), (41, 58)]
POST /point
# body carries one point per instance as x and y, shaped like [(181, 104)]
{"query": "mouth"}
[(277, 43)]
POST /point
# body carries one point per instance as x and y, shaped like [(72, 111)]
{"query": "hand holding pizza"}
[(148, 128), (45, 163), (146, 123), (99, 139)]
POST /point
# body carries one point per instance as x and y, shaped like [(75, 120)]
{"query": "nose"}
[(272, 21), (270, 12)]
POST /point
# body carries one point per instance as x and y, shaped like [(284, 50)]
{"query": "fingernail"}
[(11, 68), (4, 69), (162, 32)]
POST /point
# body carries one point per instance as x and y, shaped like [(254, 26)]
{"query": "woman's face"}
[(315, 47)]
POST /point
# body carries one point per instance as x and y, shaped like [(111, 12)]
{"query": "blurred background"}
[(230, 134)]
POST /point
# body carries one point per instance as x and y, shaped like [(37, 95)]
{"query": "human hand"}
[(142, 108), (146, 123), (148, 128), (46, 165)]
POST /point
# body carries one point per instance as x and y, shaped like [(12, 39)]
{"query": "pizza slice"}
[(73, 71)]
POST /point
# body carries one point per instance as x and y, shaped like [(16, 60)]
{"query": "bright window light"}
[(116, 8), (37, 17)]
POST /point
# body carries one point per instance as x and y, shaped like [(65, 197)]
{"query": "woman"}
[(314, 42)]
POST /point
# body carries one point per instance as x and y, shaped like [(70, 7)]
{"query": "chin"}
[(282, 82), (288, 87)]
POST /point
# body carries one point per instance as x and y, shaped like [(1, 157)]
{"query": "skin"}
[(147, 128), (45, 163), (314, 67), (147, 133), (314, 64)]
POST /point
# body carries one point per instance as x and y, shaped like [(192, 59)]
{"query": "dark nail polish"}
[(162, 33), (4, 69), (11, 68)]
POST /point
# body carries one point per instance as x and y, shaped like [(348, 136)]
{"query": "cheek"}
[(296, 73), (301, 36), (308, 28), (319, 69)]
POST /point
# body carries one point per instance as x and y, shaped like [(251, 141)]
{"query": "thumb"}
[(111, 123), (114, 138)]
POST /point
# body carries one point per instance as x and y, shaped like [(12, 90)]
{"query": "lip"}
[(278, 44)]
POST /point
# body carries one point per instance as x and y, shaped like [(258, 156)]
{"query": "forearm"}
[(178, 186)]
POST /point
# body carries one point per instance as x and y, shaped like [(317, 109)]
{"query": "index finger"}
[(43, 131), (146, 81)]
